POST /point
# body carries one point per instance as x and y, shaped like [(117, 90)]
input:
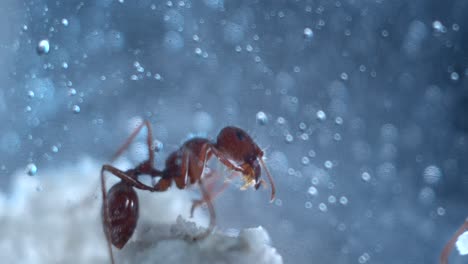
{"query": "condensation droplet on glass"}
[(65, 22), (305, 160), (198, 51), (54, 149), (312, 191), (364, 258), (289, 138), (157, 145), (321, 115), (331, 199), (308, 205), (323, 207), (440, 211), (43, 47), (278, 202), (31, 169), (343, 200), (339, 120), (302, 126), (337, 137), (30, 94), (438, 26), (385, 33), (454, 76), (71, 92), (304, 136), (65, 65), (328, 164), (28, 108), (312, 153), (308, 33), (314, 180), (432, 174), (455, 27), (280, 120), (238, 48), (76, 109), (262, 118), (344, 76), (157, 76), (365, 176)]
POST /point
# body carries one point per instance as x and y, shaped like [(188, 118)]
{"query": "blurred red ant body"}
[(185, 166), (449, 246)]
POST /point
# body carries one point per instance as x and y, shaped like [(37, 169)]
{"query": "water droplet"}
[(339, 120), (454, 76), (440, 211), (365, 176), (31, 169), (321, 115), (312, 191), (438, 26), (455, 27), (343, 200), (305, 160), (65, 65), (432, 174), (76, 109), (308, 205), (328, 164), (71, 92), (30, 94), (157, 145), (65, 22), (54, 149), (308, 33), (344, 76), (331, 199), (364, 258), (322, 207), (43, 47), (289, 138), (262, 118)]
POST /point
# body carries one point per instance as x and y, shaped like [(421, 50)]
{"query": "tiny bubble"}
[(344, 76), (54, 149), (321, 115), (64, 21), (305, 160), (289, 138), (312, 191), (76, 109), (365, 176), (322, 207), (331, 199), (454, 76), (30, 94), (31, 169), (308, 33), (308, 205), (328, 164), (43, 47), (71, 92), (440, 211), (343, 200), (262, 118)]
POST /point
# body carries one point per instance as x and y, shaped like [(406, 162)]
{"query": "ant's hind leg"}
[(448, 247)]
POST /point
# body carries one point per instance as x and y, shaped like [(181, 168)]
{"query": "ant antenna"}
[(270, 179)]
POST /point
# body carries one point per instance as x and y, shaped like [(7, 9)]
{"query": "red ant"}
[(185, 166), (448, 247)]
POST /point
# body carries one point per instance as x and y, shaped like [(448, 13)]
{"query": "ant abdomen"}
[(122, 204)]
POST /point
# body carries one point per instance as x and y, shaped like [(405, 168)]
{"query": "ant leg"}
[(448, 247), (149, 142), (213, 194), (225, 161), (126, 178), (206, 197)]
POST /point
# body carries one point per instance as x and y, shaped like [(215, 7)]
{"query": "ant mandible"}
[(448, 247), (185, 166)]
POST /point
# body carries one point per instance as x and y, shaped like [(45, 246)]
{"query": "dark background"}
[(388, 161)]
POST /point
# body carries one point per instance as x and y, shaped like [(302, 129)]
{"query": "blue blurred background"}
[(360, 105)]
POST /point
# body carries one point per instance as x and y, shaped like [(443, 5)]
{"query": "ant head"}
[(238, 146), (241, 151)]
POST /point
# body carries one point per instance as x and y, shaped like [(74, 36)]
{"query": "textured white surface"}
[(54, 217)]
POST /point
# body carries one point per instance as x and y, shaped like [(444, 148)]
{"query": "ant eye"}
[(240, 135)]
